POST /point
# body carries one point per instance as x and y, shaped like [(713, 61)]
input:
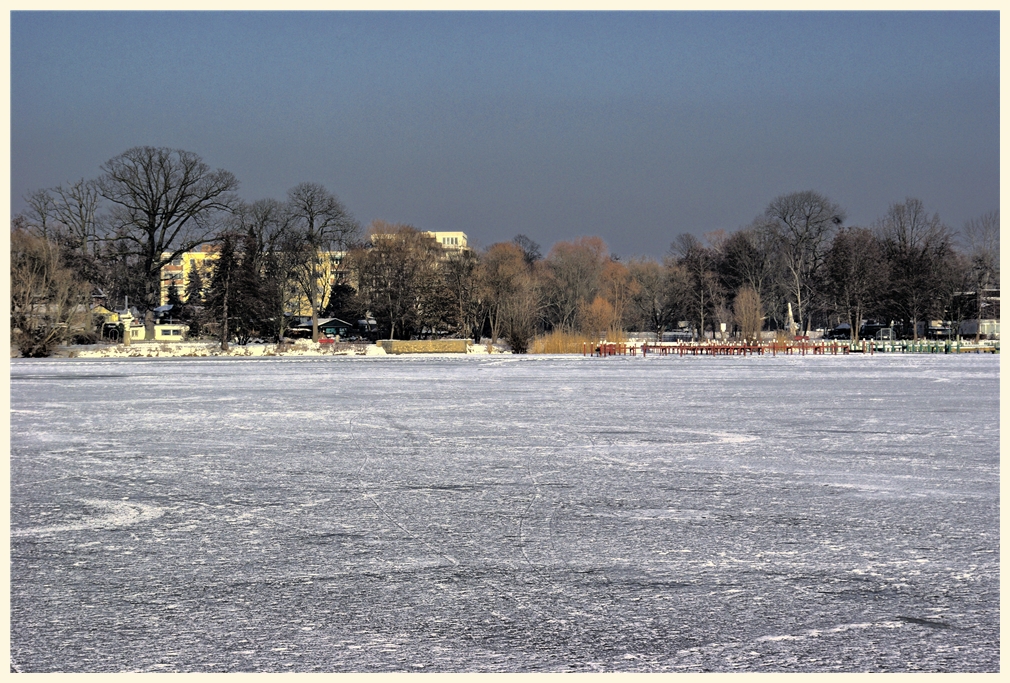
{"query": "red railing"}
[(799, 347)]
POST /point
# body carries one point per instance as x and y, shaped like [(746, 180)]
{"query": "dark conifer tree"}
[(193, 309), (247, 302), (221, 291), (341, 302), (174, 301), (194, 288)]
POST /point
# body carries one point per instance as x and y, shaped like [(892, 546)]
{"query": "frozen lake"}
[(506, 513)]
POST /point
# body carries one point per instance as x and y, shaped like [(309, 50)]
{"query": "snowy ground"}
[(501, 513)]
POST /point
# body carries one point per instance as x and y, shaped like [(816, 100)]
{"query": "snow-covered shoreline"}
[(213, 349)]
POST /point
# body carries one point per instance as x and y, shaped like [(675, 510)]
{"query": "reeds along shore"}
[(572, 342)]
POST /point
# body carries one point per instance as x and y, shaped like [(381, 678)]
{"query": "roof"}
[(326, 322)]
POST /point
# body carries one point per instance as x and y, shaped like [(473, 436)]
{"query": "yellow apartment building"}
[(180, 269)]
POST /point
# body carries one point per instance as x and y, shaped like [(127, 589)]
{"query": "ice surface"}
[(506, 514)]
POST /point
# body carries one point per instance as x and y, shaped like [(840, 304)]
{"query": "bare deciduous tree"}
[(461, 277), (324, 228), (802, 224), (520, 312), (575, 268), (77, 209), (918, 248), (501, 268), (651, 307), (531, 250), (46, 298), (164, 202), (40, 216), (747, 259), (855, 270), (618, 289), (398, 277), (597, 318), (981, 237), (705, 298)]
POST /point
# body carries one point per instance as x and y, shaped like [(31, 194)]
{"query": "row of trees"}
[(150, 205), (796, 256), (908, 267)]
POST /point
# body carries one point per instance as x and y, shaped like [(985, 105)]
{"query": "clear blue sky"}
[(632, 126)]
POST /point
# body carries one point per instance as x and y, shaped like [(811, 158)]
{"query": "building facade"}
[(179, 271)]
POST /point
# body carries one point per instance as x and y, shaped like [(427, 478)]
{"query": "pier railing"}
[(774, 348)]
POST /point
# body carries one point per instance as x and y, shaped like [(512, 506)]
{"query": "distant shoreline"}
[(307, 349)]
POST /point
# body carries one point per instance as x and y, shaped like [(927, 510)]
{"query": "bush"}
[(83, 338)]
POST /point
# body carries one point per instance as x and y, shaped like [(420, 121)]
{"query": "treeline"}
[(796, 256), (150, 205)]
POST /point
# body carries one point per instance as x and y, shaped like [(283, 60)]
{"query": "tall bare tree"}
[(919, 251), (855, 272), (618, 288), (747, 259), (76, 208), (461, 276), (398, 277), (500, 270), (531, 250), (323, 227), (40, 216), (651, 307), (981, 238), (706, 300), (164, 202), (521, 310), (69, 217), (802, 224), (575, 269)]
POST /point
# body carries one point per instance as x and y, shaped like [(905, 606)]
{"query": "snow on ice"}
[(500, 513)]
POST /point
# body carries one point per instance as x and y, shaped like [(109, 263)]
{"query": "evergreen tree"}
[(342, 302), (174, 301), (193, 309), (247, 304), (194, 288), (222, 287)]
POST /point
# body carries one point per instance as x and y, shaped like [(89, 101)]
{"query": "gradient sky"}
[(632, 126)]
